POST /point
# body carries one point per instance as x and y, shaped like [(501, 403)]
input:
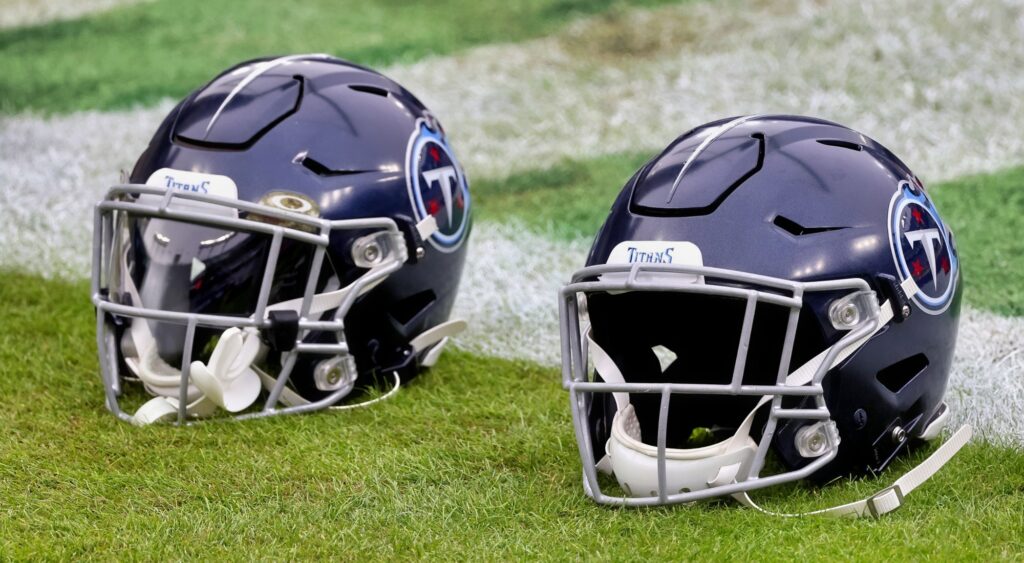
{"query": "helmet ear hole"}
[(896, 376)]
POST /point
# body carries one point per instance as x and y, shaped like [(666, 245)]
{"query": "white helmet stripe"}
[(256, 72)]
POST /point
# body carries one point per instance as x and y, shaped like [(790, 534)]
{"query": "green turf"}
[(139, 54), (475, 460), (986, 213), (570, 200), (566, 201)]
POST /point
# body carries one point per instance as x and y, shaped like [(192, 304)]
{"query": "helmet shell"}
[(801, 199), (357, 144)]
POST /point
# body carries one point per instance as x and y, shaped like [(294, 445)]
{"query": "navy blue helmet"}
[(770, 298), (296, 229)]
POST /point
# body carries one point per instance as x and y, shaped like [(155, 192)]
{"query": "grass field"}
[(473, 461), (141, 54), (554, 103)]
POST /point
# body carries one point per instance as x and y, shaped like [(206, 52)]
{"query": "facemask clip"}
[(283, 329), (376, 248)]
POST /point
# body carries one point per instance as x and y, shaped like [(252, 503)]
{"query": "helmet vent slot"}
[(898, 375), (796, 229), (319, 168), (408, 309), (370, 89), (841, 144)]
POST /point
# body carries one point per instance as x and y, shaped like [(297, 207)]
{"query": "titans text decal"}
[(922, 248), (438, 187), (195, 182)]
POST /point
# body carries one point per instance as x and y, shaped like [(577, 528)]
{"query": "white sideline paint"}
[(16, 13), (947, 94), (509, 291), (52, 171), (987, 385)]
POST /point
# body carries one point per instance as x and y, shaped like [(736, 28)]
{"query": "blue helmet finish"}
[(325, 138), (796, 203)]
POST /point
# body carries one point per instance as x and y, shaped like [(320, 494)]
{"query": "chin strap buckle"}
[(885, 501), (891, 497)]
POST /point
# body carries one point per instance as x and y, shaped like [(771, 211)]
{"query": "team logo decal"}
[(437, 186), (922, 248)]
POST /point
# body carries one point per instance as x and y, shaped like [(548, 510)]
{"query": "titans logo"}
[(923, 248), (438, 187)]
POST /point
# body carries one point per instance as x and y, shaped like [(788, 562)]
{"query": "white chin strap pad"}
[(635, 464), (228, 380)]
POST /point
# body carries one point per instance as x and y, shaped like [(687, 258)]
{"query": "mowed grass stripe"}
[(141, 54), (474, 460)]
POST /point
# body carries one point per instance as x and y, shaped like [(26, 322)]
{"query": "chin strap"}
[(884, 501), (433, 338), (230, 380), (891, 497), (290, 398)]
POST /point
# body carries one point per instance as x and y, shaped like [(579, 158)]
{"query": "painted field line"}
[(16, 13)]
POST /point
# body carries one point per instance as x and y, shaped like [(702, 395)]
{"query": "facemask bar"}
[(681, 278), (303, 228)]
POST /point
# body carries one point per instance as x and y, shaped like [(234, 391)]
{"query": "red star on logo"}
[(917, 268), (433, 207), (458, 201), (917, 215), (944, 264), (435, 154)]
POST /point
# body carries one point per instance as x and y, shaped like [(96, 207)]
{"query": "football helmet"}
[(296, 229), (765, 285)]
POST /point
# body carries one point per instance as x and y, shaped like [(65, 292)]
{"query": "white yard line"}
[(942, 84), (16, 13), (987, 384), (509, 292), (52, 171)]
